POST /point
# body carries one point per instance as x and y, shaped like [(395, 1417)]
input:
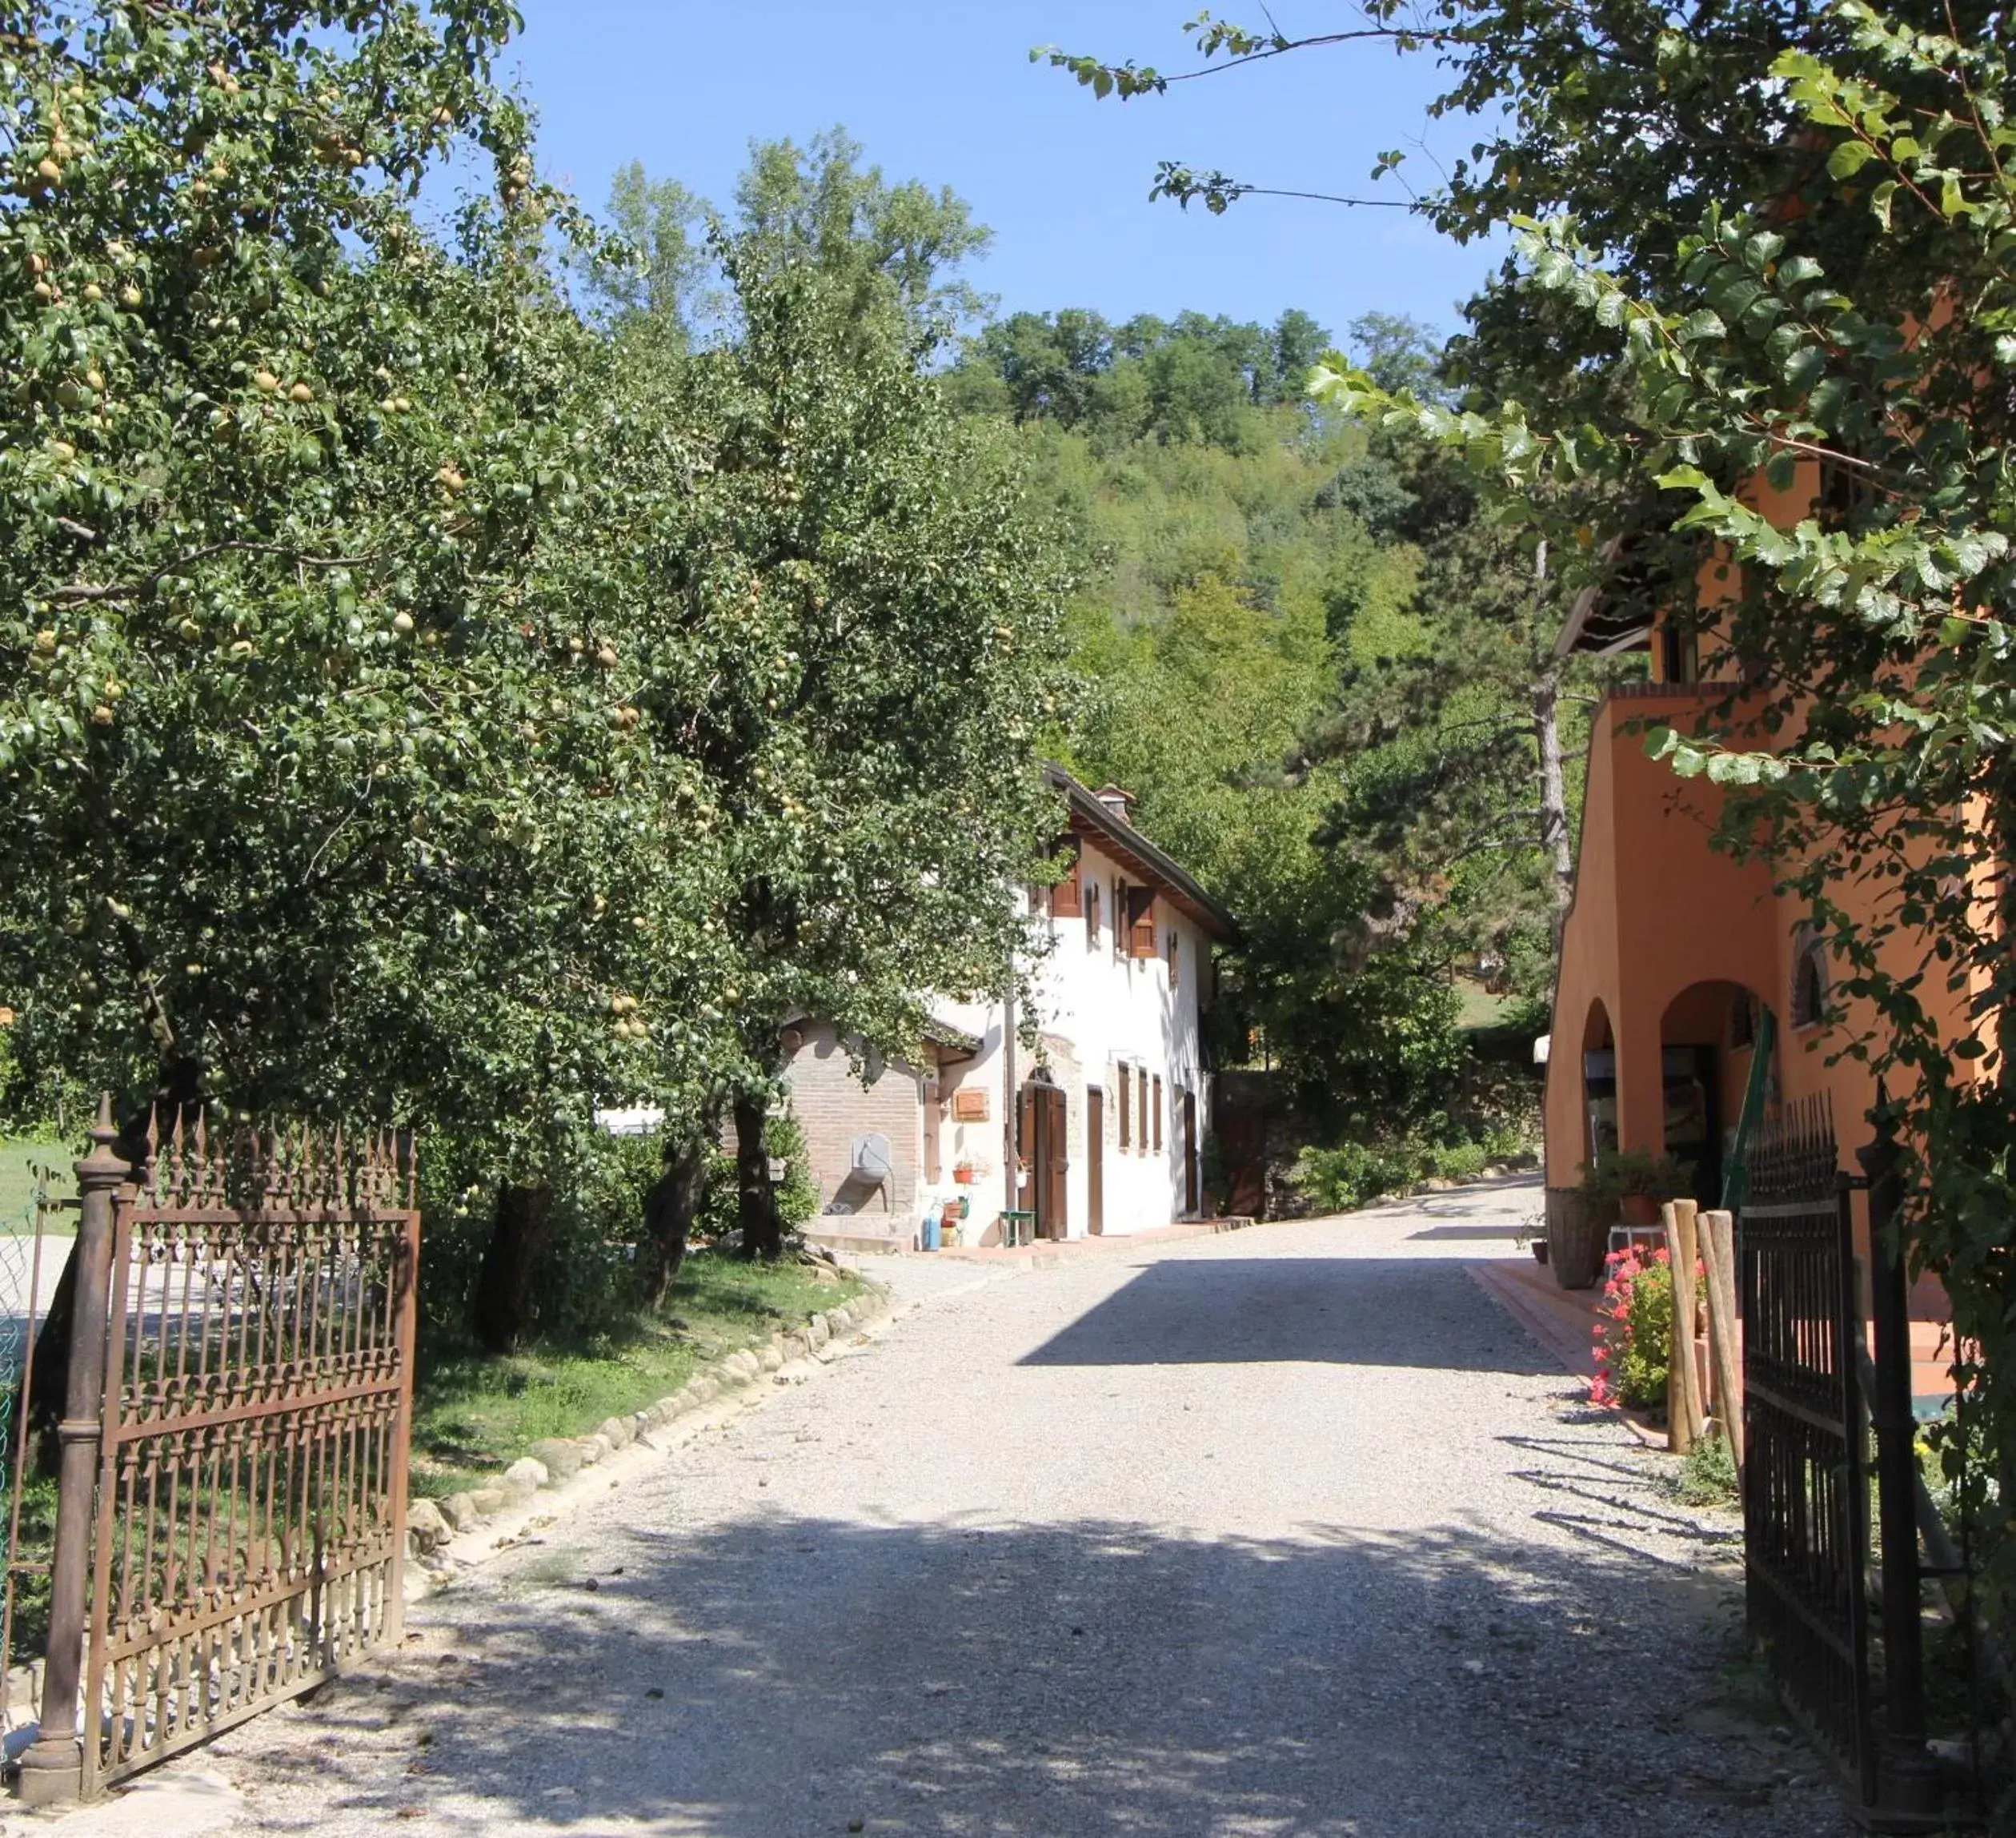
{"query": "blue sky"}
[(944, 92)]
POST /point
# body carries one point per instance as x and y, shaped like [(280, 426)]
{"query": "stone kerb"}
[(556, 1460)]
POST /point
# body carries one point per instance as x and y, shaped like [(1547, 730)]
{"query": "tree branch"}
[(1133, 80), (78, 592), (1217, 196)]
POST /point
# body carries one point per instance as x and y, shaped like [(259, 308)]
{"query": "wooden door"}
[(1190, 1153), (1051, 1221), (1095, 1161)]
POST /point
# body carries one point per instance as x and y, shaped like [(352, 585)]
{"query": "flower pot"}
[(1576, 1240), (1638, 1209), (1539, 1251)]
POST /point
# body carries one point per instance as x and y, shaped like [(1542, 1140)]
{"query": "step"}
[(858, 1243)]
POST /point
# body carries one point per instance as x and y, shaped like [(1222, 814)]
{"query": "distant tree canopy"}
[(1190, 380), (1257, 575), (818, 206)]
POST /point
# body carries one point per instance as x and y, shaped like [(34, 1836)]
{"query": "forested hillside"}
[(1307, 661)]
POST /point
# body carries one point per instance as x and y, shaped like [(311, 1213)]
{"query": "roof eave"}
[(1091, 818)]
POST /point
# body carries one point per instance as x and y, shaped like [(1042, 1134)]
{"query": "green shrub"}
[(719, 1220), (585, 1281), (1352, 1174), (1460, 1162), (798, 1193), (1355, 1173), (1708, 1476)]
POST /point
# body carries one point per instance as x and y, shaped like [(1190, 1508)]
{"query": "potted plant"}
[(1576, 1231), (1530, 1234), (1631, 1184)]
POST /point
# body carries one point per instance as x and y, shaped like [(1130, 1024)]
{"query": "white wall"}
[(1097, 1007)]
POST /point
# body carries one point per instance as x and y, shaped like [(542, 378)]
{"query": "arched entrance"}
[(1599, 1084), (1708, 1038)]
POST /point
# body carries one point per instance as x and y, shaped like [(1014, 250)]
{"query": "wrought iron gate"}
[(1805, 1490), (1811, 1392), (231, 1517)]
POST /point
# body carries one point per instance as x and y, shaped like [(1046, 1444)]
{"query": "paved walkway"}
[(1291, 1532)]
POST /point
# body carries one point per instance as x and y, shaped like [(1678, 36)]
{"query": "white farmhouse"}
[(1099, 1129)]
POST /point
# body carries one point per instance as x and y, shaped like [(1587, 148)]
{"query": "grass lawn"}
[(472, 1414), (19, 1158), (1479, 1007)]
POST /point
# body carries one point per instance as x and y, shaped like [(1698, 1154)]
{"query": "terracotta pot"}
[(1539, 1251), (1638, 1209)]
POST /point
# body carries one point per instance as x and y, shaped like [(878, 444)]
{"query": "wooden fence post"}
[(1685, 1415), (1718, 1244)]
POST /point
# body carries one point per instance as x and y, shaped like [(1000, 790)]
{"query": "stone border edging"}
[(433, 1525)]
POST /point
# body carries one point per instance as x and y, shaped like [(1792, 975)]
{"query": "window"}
[(1679, 652), (1810, 982), (1124, 1105), (1176, 966), (1066, 897), (1158, 1113), (1140, 922), (1120, 894), (1092, 917), (1847, 494)]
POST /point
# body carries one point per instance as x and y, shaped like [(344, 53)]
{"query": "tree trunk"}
[(670, 1209), (1554, 839), (505, 1306), (763, 1231)]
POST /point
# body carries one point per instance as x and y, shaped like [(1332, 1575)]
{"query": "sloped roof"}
[(1096, 822)]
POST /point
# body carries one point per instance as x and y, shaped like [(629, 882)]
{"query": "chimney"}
[(1120, 803)]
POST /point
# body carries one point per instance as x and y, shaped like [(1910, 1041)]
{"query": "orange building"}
[(1674, 953)]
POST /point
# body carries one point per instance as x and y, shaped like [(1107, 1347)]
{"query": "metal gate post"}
[(1910, 1779), (53, 1769)]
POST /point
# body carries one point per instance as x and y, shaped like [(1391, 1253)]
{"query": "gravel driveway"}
[(1290, 1532)]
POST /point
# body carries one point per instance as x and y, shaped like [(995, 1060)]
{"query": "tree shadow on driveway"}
[(782, 1677), (1423, 1312)]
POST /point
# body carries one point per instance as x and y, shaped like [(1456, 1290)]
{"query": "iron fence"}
[(1852, 1680), (1805, 1496), (231, 1505)]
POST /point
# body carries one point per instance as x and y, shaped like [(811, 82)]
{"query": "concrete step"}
[(857, 1240)]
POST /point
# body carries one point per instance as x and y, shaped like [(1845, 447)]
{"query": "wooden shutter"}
[(1126, 1109), (1158, 1113), (1176, 966), (1140, 921), (1119, 918), (1140, 1087), (1067, 898), (1092, 916)]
